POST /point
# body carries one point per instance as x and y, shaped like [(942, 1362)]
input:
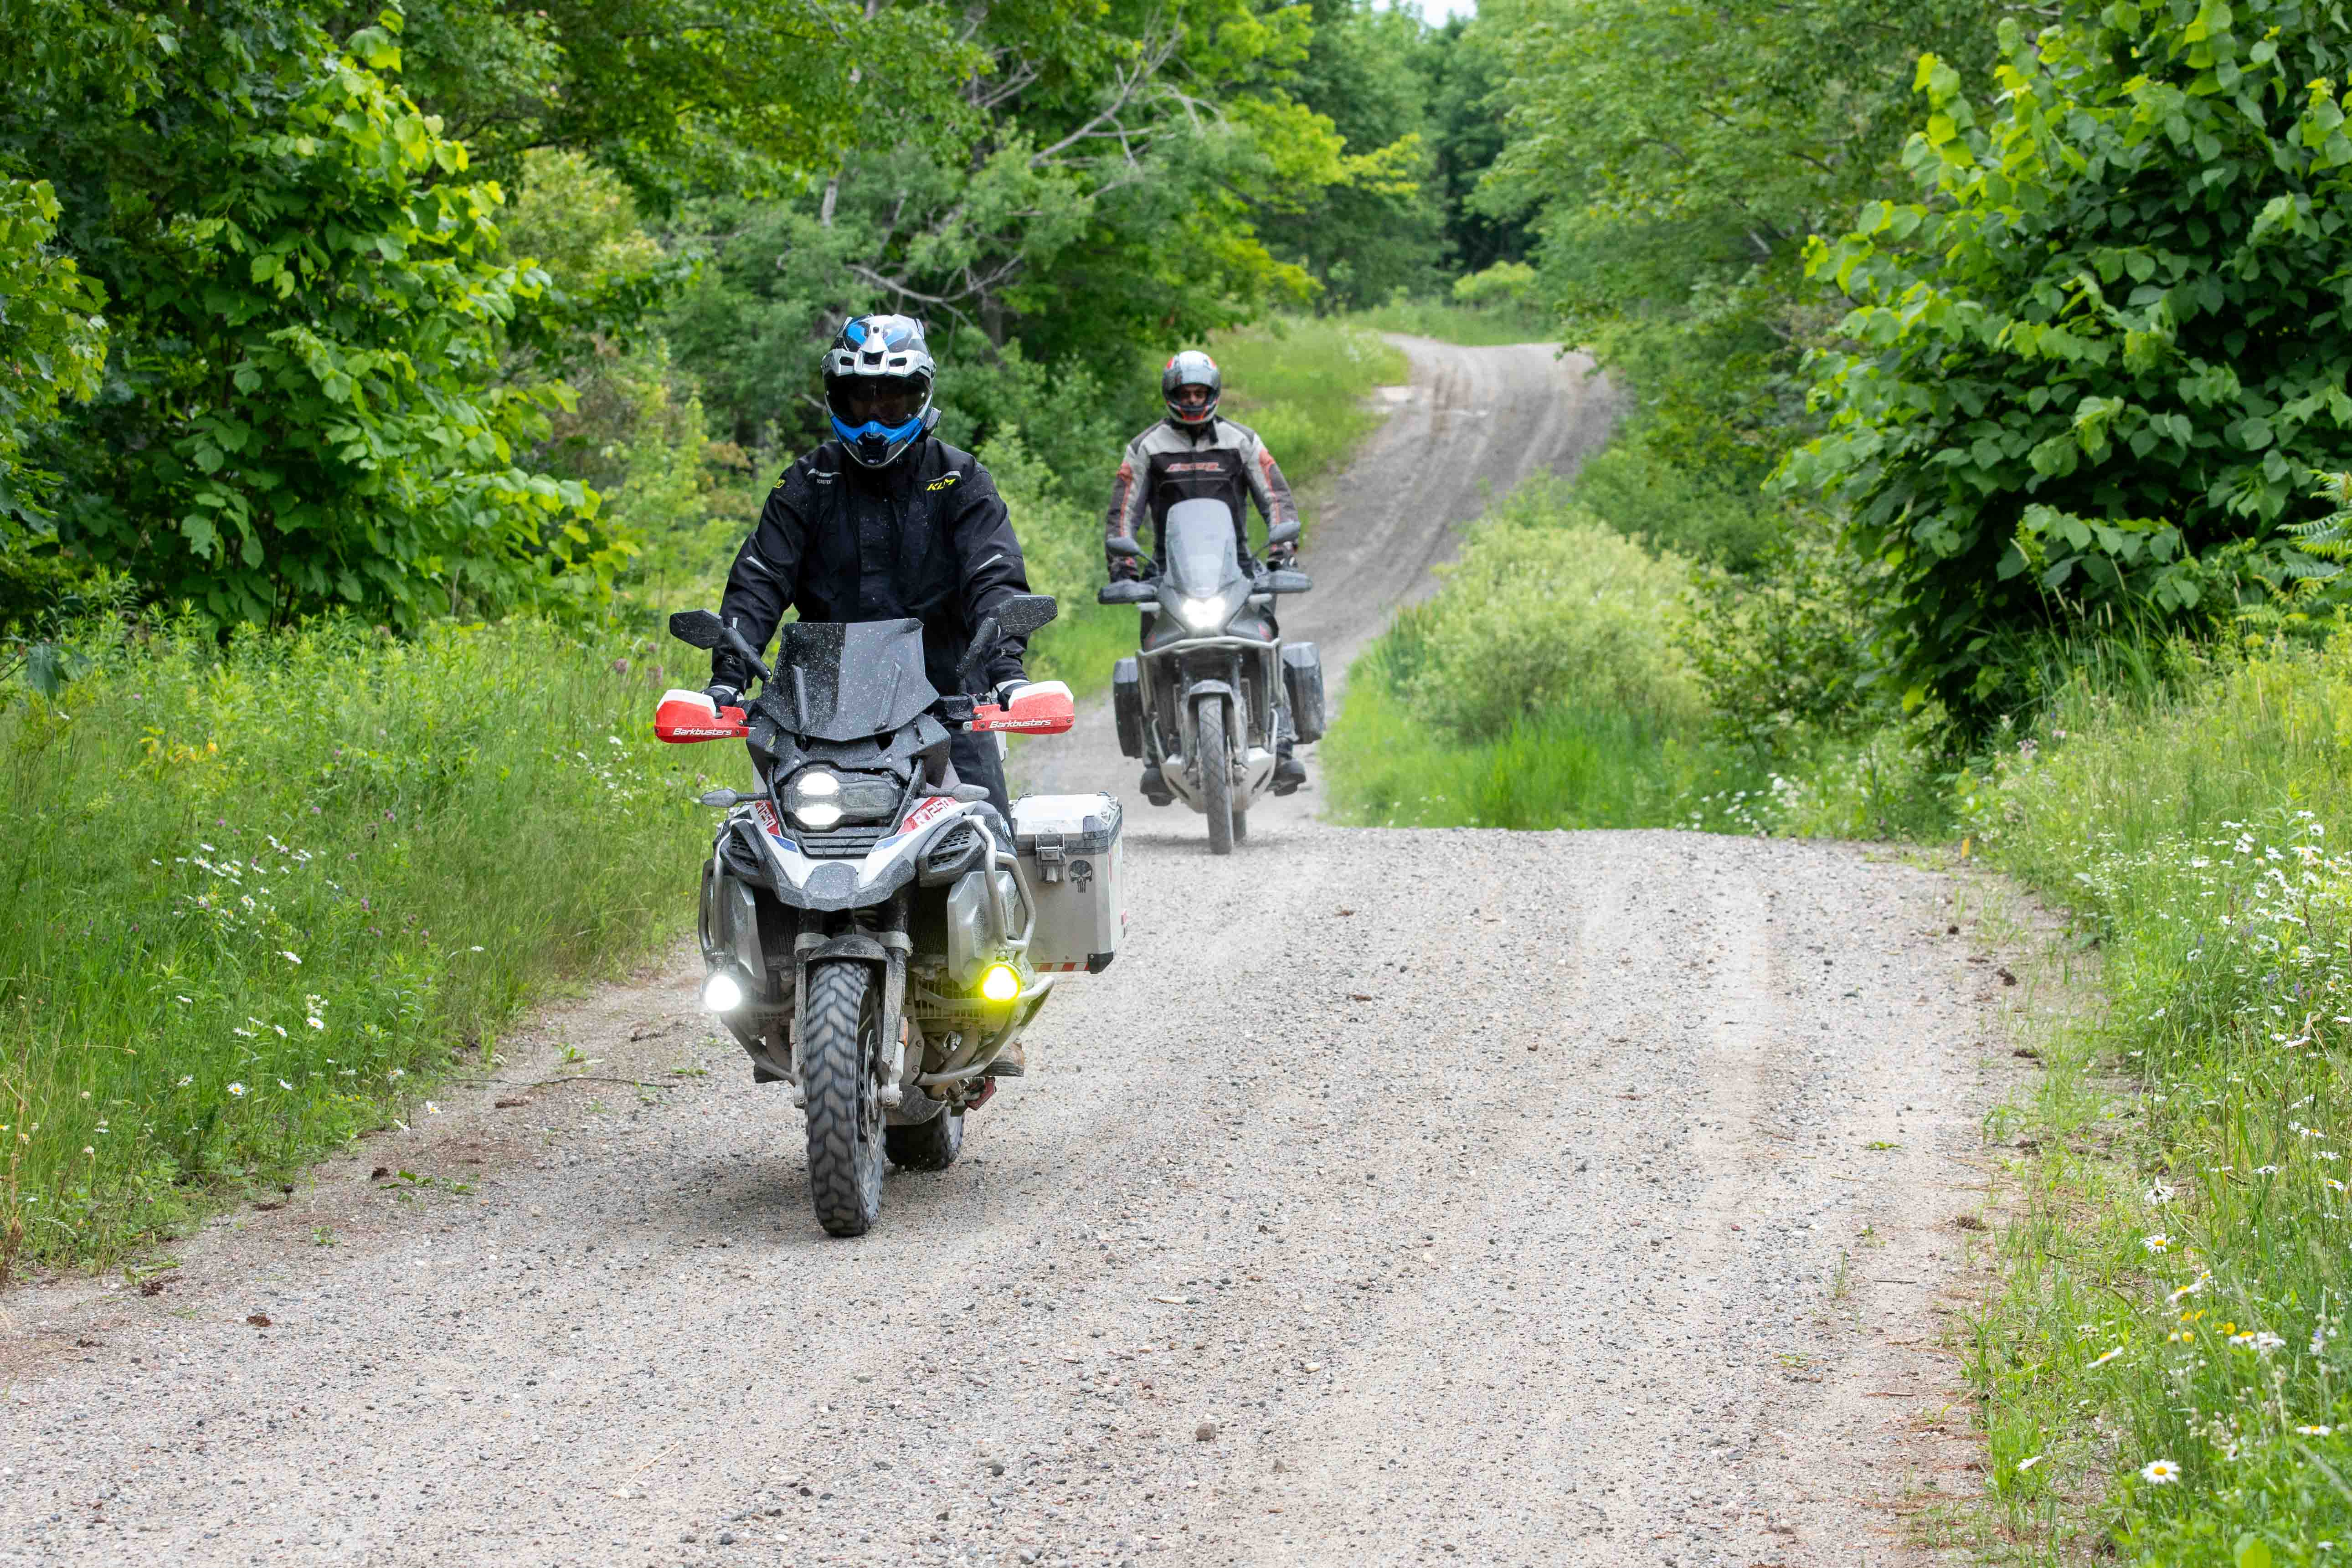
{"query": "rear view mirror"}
[(1127, 548), (698, 628), (1283, 533), (1024, 613)]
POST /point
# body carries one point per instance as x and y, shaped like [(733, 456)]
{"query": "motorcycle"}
[(1205, 701), (873, 933)]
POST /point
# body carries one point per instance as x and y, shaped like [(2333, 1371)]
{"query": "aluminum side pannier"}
[(1069, 847)]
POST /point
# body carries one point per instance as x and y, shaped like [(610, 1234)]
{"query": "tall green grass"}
[(258, 895), (1488, 326), (2167, 1361)]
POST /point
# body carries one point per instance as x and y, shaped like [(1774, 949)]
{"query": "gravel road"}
[(1397, 1197)]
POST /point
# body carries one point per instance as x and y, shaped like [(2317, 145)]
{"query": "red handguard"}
[(686, 717), (1042, 708)]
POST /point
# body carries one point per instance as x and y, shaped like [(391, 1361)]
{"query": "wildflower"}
[(247, 1033), (2160, 1472), (2156, 1242), (2314, 1431), (2159, 1194), (284, 1085), (396, 1072), (2267, 1342), (474, 949), (2108, 1356), (290, 957), (431, 1109), (315, 1021), (2266, 1169), (186, 1079), (2318, 1339), (237, 1090)]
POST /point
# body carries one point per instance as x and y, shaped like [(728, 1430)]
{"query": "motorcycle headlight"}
[(722, 993), (1202, 615), (814, 799)]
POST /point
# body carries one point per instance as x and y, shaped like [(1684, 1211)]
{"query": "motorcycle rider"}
[(885, 521), (1190, 455)]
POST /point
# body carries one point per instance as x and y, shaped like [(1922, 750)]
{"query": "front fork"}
[(875, 935)]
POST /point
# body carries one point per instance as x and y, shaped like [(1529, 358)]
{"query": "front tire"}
[(845, 1106), (932, 1145), (1216, 777)]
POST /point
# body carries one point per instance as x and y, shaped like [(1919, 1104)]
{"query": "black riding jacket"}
[(927, 537)]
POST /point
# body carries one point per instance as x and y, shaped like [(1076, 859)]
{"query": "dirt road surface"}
[(1397, 1198)]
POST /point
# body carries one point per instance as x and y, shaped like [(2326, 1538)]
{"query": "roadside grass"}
[(2164, 1364), (1564, 768), (1473, 327), (258, 896)]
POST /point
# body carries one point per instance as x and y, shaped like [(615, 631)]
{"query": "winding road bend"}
[(1397, 1197)]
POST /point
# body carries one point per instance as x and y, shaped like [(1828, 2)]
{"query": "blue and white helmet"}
[(877, 388)]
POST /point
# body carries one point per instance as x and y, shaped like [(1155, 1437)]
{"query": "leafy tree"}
[(1377, 229), (307, 302), (1676, 161), (52, 341), (2093, 368), (1465, 65)]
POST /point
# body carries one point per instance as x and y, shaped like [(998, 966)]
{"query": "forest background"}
[(369, 379)]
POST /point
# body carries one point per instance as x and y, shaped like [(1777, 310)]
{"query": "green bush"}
[(1644, 494), (261, 893), (2092, 368), (1548, 606)]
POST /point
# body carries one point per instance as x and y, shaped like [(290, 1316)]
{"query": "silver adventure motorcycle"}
[(1206, 702), (873, 933)]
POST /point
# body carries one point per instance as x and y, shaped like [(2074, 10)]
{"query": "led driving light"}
[(1000, 982), (814, 799), (722, 993), (1202, 615)]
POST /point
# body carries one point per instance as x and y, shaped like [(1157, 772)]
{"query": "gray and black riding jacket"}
[(927, 537), (1169, 463)]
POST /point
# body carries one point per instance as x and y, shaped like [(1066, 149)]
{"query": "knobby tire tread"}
[(845, 1158), (1216, 777), (932, 1145)]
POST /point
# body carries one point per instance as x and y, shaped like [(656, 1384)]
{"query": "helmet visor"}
[(889, 400), (1192, 398)]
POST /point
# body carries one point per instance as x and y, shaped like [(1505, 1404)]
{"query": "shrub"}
[(2092, 367), (1548, 606)]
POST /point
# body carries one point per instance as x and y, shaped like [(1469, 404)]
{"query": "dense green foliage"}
[(2093, 368), (254, 887)]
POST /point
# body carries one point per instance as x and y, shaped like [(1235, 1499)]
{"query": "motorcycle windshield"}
[(843, 681), (1199, 543)]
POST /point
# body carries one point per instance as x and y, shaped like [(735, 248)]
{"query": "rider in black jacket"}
[(886, 521)]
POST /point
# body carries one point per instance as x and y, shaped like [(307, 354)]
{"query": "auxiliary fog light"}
[(722, 993), (1000, 982)]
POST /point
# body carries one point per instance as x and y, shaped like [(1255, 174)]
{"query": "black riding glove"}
[(723, 696)]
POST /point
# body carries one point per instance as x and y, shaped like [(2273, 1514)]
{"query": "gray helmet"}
[(1190, 368), (879, 358)]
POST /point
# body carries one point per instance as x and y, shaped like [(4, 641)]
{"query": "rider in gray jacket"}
[(1190, 455)]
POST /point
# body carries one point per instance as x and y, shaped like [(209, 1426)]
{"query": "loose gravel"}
[(1397, 1196)]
